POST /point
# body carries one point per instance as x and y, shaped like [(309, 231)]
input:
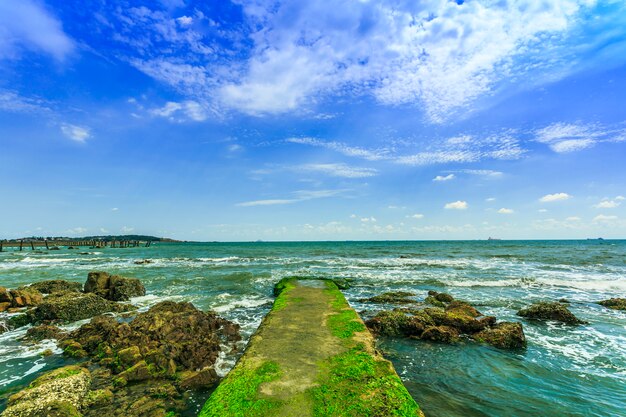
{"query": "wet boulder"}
[(614, 303), (59, 393), (550, 311), (72, 306), (504, 335), (56, 285), (113, 287)]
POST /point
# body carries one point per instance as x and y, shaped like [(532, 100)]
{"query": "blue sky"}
[(244, 120)]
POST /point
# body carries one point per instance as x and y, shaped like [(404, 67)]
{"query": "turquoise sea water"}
[(566, 371)]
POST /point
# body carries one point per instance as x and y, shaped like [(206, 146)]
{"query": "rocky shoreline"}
[(126, 363), (130, 364)]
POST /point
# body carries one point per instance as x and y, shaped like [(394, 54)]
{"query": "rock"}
[(443, 334), (457, 319), (113, 287), (4, 306), (614, 303), (59, 393), (398, 323), (129, 356), (463, 308), (550, 311), (168, 331), (434, 302), (564, 300), (143, 262), (505, 335), (203, 378), (441, 296), (5, 296), (138, 372), (42, 332), (56, 285), (393, 297), (25, 297), (71, 306)]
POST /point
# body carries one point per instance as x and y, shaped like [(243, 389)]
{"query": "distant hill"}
[(103, 238)]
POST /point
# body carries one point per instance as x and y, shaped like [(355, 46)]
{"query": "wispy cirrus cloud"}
[(297, 197), (76, 133), (572, 137)]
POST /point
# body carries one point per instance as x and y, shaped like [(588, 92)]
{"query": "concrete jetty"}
[(311, 356)]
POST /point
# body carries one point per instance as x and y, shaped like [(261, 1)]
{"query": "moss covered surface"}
[(312, 356)]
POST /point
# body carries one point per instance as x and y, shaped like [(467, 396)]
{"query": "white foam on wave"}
[(238, 302)]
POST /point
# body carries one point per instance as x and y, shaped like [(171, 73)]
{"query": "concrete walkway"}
[(311, 356)]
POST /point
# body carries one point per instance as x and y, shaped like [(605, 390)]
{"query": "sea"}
[(565, 370)]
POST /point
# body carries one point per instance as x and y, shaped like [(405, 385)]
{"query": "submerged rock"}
[(392, 297), (445, 334), (60, 393), (550, 311), (113, 287), (614, 303), (505, 335), (72, 306), (56, 285)]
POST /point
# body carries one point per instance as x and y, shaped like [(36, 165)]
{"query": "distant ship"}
[(493, 238)]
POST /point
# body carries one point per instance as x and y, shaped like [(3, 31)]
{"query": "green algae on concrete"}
[(312, 356)]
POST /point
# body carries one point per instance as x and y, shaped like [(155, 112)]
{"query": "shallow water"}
[(566, 371)]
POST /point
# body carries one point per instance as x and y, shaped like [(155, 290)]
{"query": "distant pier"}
[(311, 356), (22, 244)]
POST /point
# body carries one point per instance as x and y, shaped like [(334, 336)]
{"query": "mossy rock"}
[(444, 334), (505, 335), (614, 303), (550, 311)]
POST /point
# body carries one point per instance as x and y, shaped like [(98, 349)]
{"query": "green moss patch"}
[(355, 384), (237, 395)]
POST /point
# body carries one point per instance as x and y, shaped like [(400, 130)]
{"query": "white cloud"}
[(76, 133), (601, 218), (126, 229), (114, 209), (489, 173), (573, 219), (548, 198), (472, 149), (186, 110), (542, 211), (437, 53), (371, 155), (620, 198), (298, 196), (353, 216), (184, 20), (441, 178), (339, 170), (608, 204), (456, 205), (416, 216), (267, 202), (234, 147), (76, 231), (103, 230), (571, 137), (505, 211), (12, 102), (368, 220), (26, 24), (490, 199)]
